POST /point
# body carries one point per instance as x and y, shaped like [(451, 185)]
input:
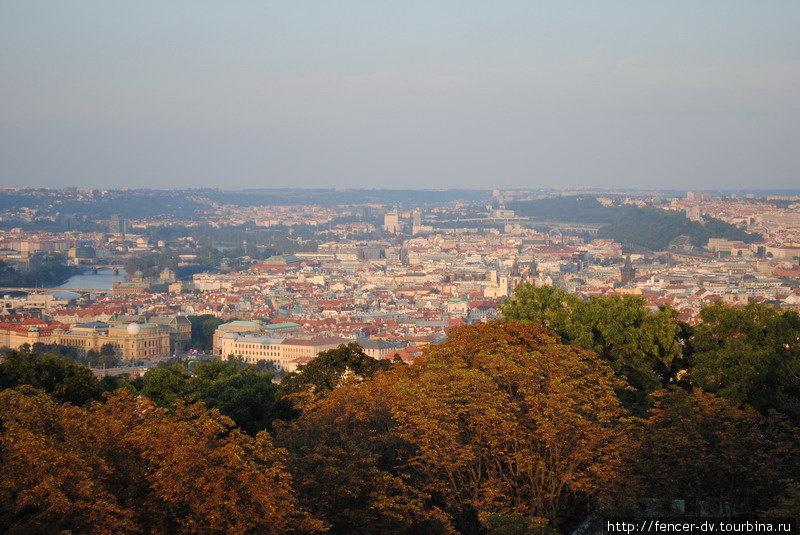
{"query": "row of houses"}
[(255, 341), (131, 341)]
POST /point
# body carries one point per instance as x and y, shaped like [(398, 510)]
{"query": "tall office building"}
[(117, 224), (391, 222)]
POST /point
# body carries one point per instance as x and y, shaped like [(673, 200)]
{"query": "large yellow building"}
[(132, 341), (247, 341), (30, 331)]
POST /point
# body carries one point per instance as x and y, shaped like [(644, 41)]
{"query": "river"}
[(103, 280)]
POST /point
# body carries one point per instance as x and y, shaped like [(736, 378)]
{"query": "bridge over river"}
[(39, 290)]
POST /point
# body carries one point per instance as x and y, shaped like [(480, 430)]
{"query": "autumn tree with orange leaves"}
[(508, 419), (126, 466), (502, 419)]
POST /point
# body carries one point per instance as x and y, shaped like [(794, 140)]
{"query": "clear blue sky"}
[(237, 94)]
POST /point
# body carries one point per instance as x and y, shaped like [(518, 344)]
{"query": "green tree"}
[(546, 305), (66, 381), (92, 358), (248, 397), (643, 348), (203, 328), (750, 354), (165, 385), (112, 383), (331, 368)]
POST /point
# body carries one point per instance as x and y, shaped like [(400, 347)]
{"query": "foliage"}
[(643, 348), (499, 524), (705, 449), (126, 466), (655, 229), (507, 419), (648, 227), (203, 328), (576, 209), (348, 464), (106, 357), (750, 354), (47, 270), (241, 393), (67, 352), (501, 429), (502, 418), (788, 504), (330, 368), (164, 386), (65, 380)]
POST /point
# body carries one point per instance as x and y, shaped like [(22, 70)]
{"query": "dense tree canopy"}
[(65, 380), (714, 454), (511, 427), (649, 227), (501, 419), (203, 328), (248, 397), (125, 466), (347, 459), (642, 347), (164, 385), (331, 368), (46, 270), (750, 354)]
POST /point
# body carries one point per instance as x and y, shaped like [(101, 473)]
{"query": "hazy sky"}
[(237, 94)]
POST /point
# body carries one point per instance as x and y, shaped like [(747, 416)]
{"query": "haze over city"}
[(414, 94), (413, 268)]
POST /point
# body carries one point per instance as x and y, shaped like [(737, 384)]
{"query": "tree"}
[(165, 385), (642, 347), (507, 419), (50, 479), (238, 391), (788, 505), (126, 466), (501, 422), (348, 462), (67, 381), (546, 305), (92, 357), (750, 354), (109, 356), (712, 453), (203, 328), (330, 368), (111, 383)]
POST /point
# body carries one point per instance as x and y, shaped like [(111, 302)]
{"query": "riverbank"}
[(46, 276)]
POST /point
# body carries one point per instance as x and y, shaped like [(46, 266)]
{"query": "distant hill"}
[(568, 209), (646, 227), (655, 229), (332, 197)]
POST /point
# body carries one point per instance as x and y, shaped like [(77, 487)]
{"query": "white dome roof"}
[(134, 329)]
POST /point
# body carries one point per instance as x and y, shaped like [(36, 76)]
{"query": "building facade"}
[(246, 340)]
